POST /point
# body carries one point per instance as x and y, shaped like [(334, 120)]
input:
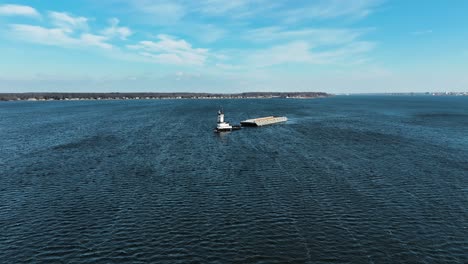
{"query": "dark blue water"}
[(346, 180)]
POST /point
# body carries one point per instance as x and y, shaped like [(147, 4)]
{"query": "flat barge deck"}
[(262, 121)]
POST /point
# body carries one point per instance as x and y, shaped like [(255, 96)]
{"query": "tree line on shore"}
[(146, 95)]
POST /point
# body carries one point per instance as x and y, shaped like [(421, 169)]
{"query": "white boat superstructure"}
[(222, 125)]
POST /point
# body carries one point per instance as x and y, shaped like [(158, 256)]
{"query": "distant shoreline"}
[(155, 96), (412, 94)]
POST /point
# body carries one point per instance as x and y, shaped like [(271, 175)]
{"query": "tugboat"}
[(223, 126)]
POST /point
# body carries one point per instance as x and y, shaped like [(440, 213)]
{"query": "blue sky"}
[(338, 46)]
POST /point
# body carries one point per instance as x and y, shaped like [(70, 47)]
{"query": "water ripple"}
[(148, 182)]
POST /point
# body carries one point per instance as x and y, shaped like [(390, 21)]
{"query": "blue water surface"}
[(348, 179)]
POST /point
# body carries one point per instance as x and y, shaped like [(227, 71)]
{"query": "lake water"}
[(357, 179)]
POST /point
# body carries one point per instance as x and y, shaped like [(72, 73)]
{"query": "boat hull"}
[(220, 130)]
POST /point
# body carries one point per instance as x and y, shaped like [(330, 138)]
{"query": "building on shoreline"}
[(149, 96)]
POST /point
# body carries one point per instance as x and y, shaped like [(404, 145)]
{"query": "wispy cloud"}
[(331, 9), (303, 52), (208, 33), (57, 37), (69, 31), (116, 31), (94, 40), (286, 10), (160, 11), (68, 22), (173, 11), (18, 10), (307, 46), (240, 9), (219, 7), (171, 50), (195, 24), (421, 32), (295, 52), (315, 36)]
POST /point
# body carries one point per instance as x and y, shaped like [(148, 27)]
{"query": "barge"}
[(263, 121)]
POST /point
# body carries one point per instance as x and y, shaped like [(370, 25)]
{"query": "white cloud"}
[(115, 31), (277, 42), (303, 52), (93, 40), (164, 12), (307, 46), (18, 10), (160, 11), (292, 52), (68, 31), (239, 9), (68, 22), (421, 32), (41, 35), (56, 37), (171, 50), (331, 9), (315, 36), (348, 54), (209, 33), (220, 6)]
